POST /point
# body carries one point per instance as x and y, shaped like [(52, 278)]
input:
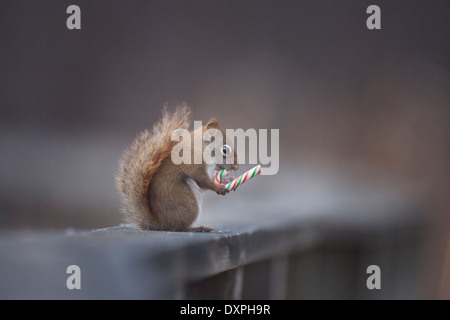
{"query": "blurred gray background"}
[(371, 106)]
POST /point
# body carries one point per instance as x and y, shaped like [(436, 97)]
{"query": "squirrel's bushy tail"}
[(141, 160)]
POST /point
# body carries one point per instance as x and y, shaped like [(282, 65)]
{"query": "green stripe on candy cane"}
[(219, 175), (244, 177)]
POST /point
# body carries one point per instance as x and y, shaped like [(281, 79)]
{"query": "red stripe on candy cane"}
[(245, 177)]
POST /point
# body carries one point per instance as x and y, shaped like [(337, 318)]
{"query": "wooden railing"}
[(323, 254)]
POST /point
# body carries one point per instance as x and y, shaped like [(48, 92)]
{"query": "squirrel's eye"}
[(226, 150)]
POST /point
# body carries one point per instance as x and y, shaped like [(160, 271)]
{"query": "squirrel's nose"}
[(235, 166)]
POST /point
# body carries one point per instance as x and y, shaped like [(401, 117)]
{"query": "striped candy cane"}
[(244, 177), (219, 175)]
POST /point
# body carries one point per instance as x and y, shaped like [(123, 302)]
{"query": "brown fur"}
[(156, 193), (140, 162)]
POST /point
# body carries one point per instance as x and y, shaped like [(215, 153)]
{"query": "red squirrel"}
[(158, 194)]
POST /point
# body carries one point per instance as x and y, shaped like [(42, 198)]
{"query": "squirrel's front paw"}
[(222, 190)]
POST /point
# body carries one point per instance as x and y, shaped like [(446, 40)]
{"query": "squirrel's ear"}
[(213, 124)]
